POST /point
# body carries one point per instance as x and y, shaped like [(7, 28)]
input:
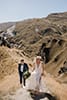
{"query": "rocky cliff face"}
[(46, 37), (30, 32)]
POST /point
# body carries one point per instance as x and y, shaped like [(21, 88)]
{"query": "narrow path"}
[(24, 94), (11, 83)]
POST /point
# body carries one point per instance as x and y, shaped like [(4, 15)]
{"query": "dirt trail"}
[(14, 91), (11, 83)]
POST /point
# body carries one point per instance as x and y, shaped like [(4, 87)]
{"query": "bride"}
[(38, 70)]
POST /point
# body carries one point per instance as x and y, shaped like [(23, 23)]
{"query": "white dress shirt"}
[(22, 68)]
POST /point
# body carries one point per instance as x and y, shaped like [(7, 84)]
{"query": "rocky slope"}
[(40, 36), (32, 33), (46, 37), (5, 26)]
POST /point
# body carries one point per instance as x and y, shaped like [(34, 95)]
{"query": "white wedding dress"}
[(33, 82)]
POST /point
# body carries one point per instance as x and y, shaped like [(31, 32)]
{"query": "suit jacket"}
[(25, 67)]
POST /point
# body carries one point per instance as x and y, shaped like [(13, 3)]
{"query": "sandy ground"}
[(60, 90), (13, 91), (11, 85)]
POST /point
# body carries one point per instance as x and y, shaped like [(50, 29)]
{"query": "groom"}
[(22, 68)]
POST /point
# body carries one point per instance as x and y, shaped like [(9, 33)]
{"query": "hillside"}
[(46, 37), (7, 62), (34, 31), (5, 26)]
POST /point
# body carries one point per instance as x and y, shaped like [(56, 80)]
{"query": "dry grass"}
[(30, 43), (8, 61)]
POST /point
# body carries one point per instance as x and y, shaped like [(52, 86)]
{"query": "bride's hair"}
[(35, 58)]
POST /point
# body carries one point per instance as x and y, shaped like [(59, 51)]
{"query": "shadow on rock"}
[(45, 96)]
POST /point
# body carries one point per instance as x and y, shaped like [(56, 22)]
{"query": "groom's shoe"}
[(24, 87)]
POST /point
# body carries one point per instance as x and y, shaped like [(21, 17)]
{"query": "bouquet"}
[(26, 74)]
